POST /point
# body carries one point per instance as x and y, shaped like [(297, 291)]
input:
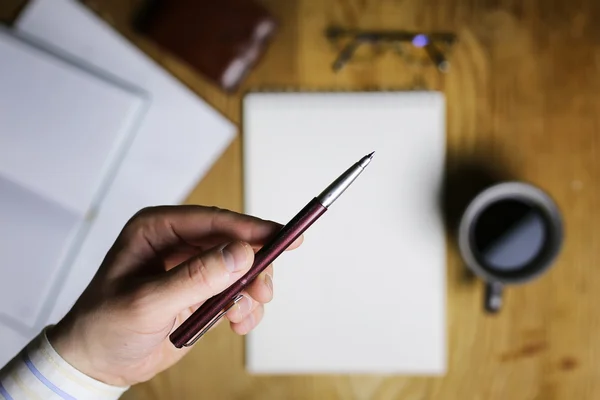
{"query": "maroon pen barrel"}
[(265, 256)]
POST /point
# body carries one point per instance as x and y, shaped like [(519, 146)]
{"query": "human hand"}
[(165, 263)]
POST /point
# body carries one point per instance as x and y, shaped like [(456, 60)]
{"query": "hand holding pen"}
[(168, 278), (165, 262)]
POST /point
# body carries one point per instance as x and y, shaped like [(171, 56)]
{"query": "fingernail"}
[(269, 282), (235, 256), (244, 305)]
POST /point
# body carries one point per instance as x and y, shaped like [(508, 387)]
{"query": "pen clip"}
[(213, 321)]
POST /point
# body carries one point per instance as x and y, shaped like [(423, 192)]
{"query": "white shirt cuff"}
[(39, 372)]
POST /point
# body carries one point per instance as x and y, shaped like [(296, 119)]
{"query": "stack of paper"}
[(62, 130), (92, 131)]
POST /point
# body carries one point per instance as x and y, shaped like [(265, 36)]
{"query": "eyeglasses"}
[(415, 48)]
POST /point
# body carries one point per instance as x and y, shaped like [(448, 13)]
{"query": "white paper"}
[(177, 143), (59, 124), (63, 130), (366, 291), (35, 234)]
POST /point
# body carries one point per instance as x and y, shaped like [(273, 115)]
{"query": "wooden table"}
[(522, 95)]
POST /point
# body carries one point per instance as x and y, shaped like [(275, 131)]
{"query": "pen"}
[(209, 313)]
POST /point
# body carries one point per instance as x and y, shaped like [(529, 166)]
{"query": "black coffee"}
[(508, 235)]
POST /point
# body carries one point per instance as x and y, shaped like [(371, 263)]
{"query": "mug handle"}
[(493, 296)]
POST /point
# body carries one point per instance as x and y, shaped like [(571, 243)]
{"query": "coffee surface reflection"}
[(508, 235)]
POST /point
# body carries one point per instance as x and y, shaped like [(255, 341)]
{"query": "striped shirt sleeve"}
[(38, 372)]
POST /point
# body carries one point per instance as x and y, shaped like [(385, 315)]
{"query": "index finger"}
[(164, 226)]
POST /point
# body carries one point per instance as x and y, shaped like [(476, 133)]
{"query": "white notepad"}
[(366, 291), (178, 141), (63, 132)]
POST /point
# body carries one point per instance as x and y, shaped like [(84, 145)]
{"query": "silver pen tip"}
[(366, 160)]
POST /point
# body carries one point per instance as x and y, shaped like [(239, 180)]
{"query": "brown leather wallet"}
[(222, 39)]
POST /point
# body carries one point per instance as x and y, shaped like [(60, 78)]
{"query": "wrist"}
[(74, 351)]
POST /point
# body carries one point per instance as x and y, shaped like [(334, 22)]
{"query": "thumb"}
[(201, 277)]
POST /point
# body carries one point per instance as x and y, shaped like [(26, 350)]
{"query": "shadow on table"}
[(466, 176)]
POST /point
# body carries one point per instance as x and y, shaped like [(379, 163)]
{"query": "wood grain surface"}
[(523, 102)]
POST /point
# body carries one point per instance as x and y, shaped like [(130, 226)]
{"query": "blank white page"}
[(63, 130), (60, 126), (366, 291), (35, 235)]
